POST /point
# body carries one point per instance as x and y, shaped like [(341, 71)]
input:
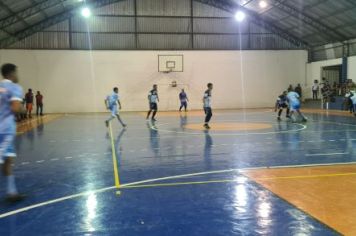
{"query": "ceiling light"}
[(263, 4), (240, 16), (86, 12)]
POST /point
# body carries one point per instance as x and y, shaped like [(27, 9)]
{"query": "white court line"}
[(326, 154), (14, 212), (68, 157)]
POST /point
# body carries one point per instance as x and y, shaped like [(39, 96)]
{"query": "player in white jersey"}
[(10, 103), (113, 104), (207, 105), (153, 100), (294, 105)]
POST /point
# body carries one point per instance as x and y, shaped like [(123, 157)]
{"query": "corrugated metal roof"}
[(167, 24)]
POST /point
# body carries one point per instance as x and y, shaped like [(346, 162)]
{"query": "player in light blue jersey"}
[(294, 105), (10, 103), (112, 103)]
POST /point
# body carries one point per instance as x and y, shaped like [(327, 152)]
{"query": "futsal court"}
[(178, 117), (259, 176)]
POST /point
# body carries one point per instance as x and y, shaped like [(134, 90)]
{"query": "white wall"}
[(314, 71), (78, 81)]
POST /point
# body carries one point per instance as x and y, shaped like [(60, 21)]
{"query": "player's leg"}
[(288, 112), (112, 116), (7, 152), (280, 112), (304, 119), (181, 106), (149, 111), (185, 106), (155, 108), (119, 119), (208, 115)]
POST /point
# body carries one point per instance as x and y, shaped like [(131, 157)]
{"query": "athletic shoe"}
[(107, 123), (304, 120), (153, 119), (15, 198), (124, 125), (288, 116), (206, 126), (279, 118)]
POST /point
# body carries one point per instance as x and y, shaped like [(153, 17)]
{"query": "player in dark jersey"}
[(282, 103)]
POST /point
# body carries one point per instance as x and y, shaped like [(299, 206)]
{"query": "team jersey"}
[(112, 100), (282, 99), (9, 92), (153, 96), (293, 97), (207, 98), (183, 97)]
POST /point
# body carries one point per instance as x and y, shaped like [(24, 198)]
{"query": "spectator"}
[(39, 103), (29, 102), (315, 90)]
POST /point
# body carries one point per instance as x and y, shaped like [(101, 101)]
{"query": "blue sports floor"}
[(175, 180)]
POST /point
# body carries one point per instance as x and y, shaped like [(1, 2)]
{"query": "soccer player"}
[(281, 103), (183, 100), (111, 102), (207, 105), (153, 100), (10, 103), (294, 104)]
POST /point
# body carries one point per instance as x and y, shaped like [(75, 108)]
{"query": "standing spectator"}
[(315, 90), (290, 88), (29, 102), (353, 100), (39, 103), (348, 101)]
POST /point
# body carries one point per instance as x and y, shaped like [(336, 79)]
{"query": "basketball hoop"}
[(168, 71)]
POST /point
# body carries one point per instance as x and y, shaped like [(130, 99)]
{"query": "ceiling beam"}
[(221, 4), (232, 7), (331, 33), (30, 11)]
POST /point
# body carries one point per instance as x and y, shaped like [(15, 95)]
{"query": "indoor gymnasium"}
[(178, 117)]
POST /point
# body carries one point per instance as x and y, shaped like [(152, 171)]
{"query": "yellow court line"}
[(114, 159)]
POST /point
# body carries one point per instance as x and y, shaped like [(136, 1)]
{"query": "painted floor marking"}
[(327, 154), (14, 212)]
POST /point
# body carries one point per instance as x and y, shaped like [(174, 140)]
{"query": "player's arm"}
[(16, 100), (16, 106), (118, 102), (106, 103), (157, 98), (276, 105), (149, 97)]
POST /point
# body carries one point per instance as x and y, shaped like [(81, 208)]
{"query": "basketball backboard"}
[(170, 63)]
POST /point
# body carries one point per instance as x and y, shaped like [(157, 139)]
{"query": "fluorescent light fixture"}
[(263, 4), (86, 12), (240, 16)]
